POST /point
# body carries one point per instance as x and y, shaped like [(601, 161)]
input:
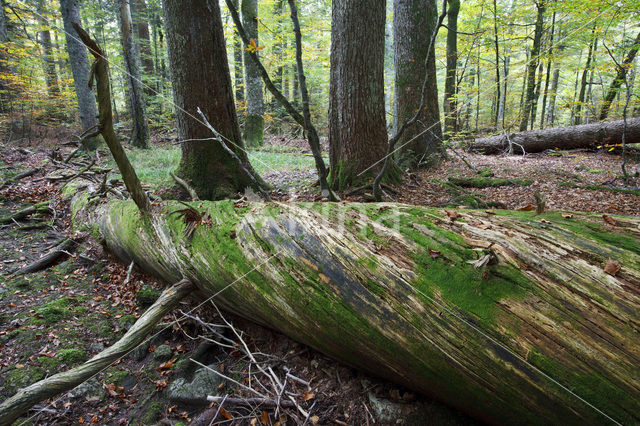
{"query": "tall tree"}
[(80, 69), (254, 121), (551, 112), (137, 107), (139, 16), (583, 82), (496, 45), (548, 76), (450, 104), (238, 78), (48, 58), (5, 94), (621, 74), (530, 92), (414, 22), (200, 77), (357, 125)]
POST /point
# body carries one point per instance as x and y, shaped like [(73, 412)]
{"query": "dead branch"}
[(49, 259), (21, 402), (36, 208), (186, 186), (251, 402)]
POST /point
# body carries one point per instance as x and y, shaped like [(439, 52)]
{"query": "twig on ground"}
[(186, 186)]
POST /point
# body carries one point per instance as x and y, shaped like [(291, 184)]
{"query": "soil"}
[(55, 319)]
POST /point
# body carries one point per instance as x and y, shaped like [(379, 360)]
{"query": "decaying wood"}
[(21, 402), (572, 137), (100, 71), (27, 211), (192, 192), (509, 317), (49, 259)]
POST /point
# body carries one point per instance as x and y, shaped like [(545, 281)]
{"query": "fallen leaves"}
[(611, 221), (452, 214), (527, 208), (612, 267), (307, 396), (166, 365)]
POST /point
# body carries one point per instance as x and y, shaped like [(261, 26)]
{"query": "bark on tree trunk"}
[(5, 69), (254, 120), (139, 121), (571, 137), (533, 65), (548, 75), (357, 124), (48, 59), (413, 24), (450, 104), (583, 81), (200, 75), (508, 317), (551, 114), (238, 77), (141, 27), (80, 69), (619, 79)]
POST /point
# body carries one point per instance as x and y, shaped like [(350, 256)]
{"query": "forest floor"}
[(55, 319)]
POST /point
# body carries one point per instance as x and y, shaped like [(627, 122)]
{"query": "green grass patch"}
[(153, 165)]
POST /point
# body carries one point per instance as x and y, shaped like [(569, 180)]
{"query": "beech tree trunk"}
[(80, 69), (450, 104), (413, 24), (48, 59), (619, 79), (200, 76), (238, 77), (571, 137), (254, 120), (5, 69), (532, 66), (357, 124), (143, 36), (139, 121), (509, 317)]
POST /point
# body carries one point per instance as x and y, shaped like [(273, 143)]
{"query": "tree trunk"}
[(551, 113), (533, 66), (414, 22), (496, 46), (583, 81), (139, 122), (5, 68), (357, 124), (80, 69), (238, 78), (450, 104), (507, 317), (200, 76), (254, 121), (619, 79), (548, 76), (536, 97), (143, 39), (48, 59), (571, 137)]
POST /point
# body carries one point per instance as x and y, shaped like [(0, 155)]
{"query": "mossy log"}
[(571, 137), (509, 317)]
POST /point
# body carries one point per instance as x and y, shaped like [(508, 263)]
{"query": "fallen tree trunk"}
[(508, 317), (571, 137), (21, 402)]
